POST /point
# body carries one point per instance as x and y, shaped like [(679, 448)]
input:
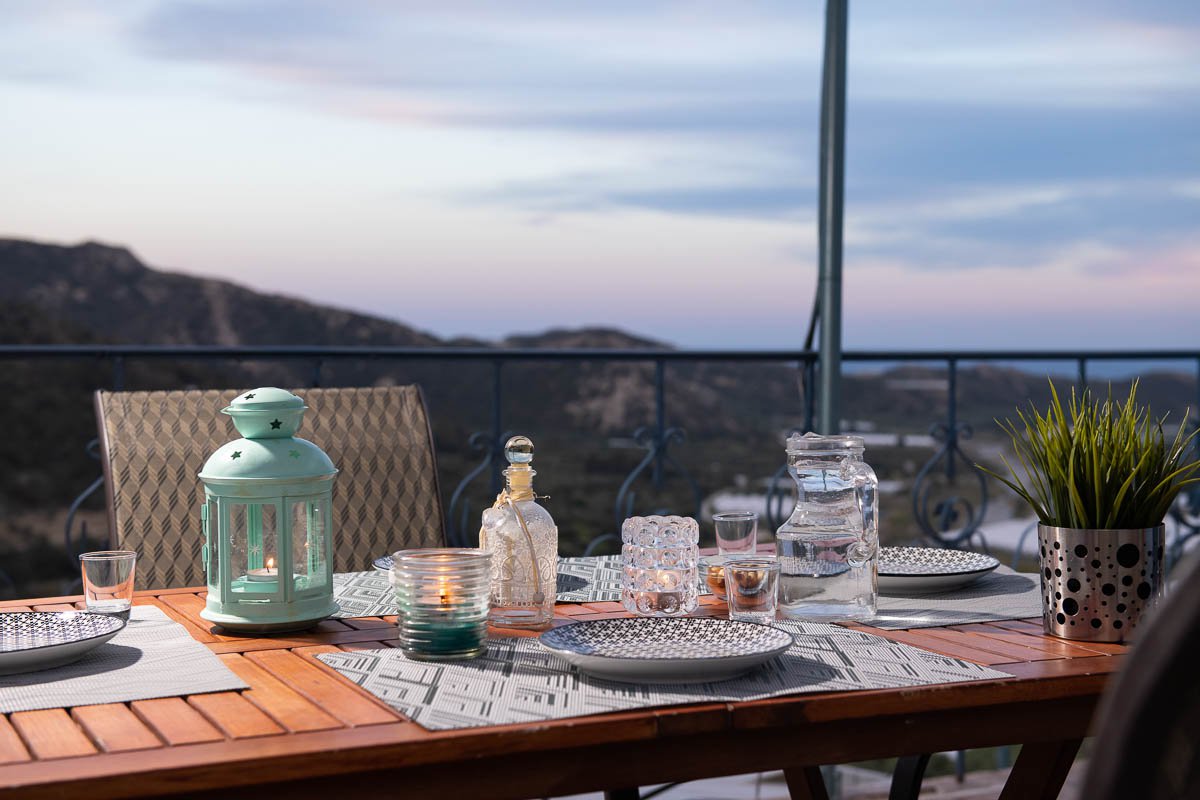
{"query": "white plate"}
[(37, 640), (682, 650), (930, 569)]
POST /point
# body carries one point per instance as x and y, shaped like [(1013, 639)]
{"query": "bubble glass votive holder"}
[(442, 600), (659, 559)]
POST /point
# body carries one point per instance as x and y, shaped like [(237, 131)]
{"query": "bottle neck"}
[(518, 480)]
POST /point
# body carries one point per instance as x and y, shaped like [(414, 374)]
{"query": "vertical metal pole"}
[(951, 415), (810, 391), (660, 421), (833, 146), (497, 424)]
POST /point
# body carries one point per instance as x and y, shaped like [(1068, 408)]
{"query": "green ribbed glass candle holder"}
[(442, 595)]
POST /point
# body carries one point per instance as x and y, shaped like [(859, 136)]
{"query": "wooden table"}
[(303, 729)]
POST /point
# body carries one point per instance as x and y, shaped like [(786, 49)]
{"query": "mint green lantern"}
[(268, 533)]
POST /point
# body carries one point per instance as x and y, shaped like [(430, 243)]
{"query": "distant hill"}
[(108, 292), (581, 414)]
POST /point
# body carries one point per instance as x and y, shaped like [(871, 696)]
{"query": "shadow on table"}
[(105, 658)]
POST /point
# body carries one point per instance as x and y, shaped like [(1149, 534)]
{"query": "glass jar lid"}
[(816, 442)]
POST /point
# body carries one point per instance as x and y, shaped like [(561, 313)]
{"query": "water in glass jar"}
[(827, 547), (816, 579)]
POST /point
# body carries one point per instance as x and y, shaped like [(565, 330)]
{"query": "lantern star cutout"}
[(236, 454), (275, 424), (294, 453), (249, 396)]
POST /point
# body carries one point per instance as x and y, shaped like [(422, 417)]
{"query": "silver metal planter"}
[(1098, 584)]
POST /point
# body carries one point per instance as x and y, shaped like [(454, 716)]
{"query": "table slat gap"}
[(1011, 651), (341, 698), (196, 632), (114, 728), (234, 715), (175, 721), (189, 607), (51, 733), (277, 700), (365, 623), (920, 639), (1057, 647), (12, 749), (1093, 648)]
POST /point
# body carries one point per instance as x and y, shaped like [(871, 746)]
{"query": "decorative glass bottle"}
[(523, 541), (828, 547)]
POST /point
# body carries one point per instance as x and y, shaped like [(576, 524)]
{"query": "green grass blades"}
[(1097, 464)]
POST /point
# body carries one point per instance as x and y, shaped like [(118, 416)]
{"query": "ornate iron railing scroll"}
[(951, 520)]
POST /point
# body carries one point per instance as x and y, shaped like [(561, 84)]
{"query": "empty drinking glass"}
[(737, 532), (751, 586), (108, 581)]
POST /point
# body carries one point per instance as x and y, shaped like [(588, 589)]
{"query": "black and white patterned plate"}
[(383, 563), (685, 650), (35, 640), (925, 569)]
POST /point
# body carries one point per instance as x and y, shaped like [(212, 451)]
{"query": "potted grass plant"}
[(1101, 476)]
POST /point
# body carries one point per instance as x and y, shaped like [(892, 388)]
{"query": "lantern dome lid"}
[(267, 398), (269, 461), (266, 413)]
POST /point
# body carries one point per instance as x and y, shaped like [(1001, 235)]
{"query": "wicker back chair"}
[(153, 445)]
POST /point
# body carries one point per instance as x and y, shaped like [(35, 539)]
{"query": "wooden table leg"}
[(1041, 770), (805, 783)]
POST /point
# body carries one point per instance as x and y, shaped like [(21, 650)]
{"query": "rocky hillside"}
[(109, 292)]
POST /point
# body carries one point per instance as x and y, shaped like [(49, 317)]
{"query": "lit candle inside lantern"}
[(262, 574)]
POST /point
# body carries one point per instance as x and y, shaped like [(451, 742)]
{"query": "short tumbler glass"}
[(752, 588), (108, 581), (737, 532), (442, 600)]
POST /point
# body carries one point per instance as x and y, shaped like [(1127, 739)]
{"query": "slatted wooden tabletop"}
[(304, 729)]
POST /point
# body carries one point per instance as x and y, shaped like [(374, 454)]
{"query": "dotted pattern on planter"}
[(1098, 586)]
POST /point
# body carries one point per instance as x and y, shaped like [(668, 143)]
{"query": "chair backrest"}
[(1148, 725), (385, 497)]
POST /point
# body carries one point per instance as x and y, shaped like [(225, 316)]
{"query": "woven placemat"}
[(153, 657), (518, 680), (583, 579), (1001, 594)]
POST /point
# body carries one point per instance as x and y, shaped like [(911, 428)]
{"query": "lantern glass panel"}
[(309, 529), (253, 552), (212, 518)]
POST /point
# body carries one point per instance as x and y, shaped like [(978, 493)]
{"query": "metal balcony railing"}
[(949, 519)]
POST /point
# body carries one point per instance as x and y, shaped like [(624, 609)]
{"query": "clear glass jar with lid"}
[(828, 548)]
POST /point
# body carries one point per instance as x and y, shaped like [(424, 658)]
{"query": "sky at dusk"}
[(1019, 174)]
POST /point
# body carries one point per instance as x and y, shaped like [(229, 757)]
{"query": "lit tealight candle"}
[(267, 573)]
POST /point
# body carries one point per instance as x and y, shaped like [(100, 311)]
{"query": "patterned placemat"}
[(518, 680), (590, 579), (153, 657), (363, 594), (1002, 594)]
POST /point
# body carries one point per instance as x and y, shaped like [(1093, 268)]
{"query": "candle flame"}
[(270, 563)]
